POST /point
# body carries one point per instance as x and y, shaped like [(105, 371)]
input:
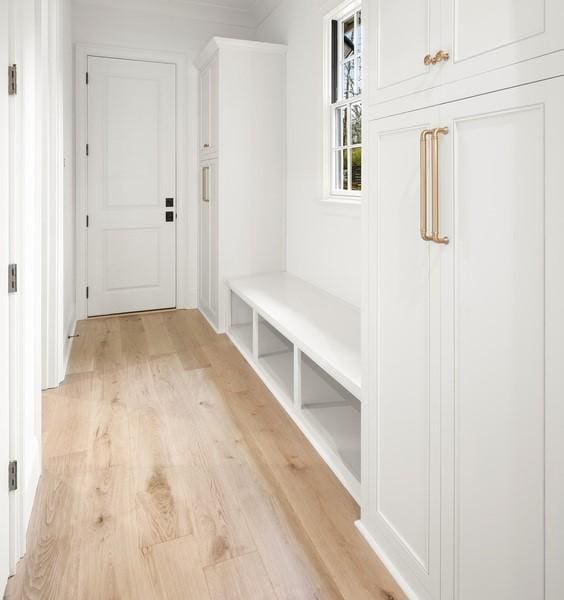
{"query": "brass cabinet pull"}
[(423, 184), (435, 235), (441, 55), (205, 184)]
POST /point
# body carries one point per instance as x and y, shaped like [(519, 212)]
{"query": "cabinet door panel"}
[(209, 241), (483, 35), (500, 161), (404, 475), (204, 109), (400, 35)]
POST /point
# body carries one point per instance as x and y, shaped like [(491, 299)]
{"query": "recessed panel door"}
[(502, 179), (483, 35), (131, 186), (402, 33), (401, 392)]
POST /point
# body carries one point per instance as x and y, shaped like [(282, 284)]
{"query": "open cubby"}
[(276, 357), (241, 327), (333, 411)]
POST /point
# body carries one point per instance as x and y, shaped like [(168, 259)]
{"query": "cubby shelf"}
[(305, 345)]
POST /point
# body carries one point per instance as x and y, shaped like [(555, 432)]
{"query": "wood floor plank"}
[(170, 472), (163, 508), (175, 570), (241, 578)]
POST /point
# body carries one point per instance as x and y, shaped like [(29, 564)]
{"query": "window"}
[(346, 103)]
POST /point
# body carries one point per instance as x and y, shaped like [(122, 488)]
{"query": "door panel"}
[(209, 107), (404, 32), (483, 35), (131, 172), (208, 242), (406, 475), (500, 160)]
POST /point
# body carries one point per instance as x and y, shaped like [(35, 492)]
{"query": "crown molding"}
[(219, 43)]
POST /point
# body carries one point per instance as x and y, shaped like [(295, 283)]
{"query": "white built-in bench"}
[(305, 345)]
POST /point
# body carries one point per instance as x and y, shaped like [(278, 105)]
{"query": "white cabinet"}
[(463, 381), (209, 108), (208, 232), (478, 36), (242, 171)]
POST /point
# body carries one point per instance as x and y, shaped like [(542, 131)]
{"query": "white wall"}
[(323, 239)]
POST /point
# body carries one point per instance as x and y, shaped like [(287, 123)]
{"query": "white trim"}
[(328, 193), (52, 174), (68, 343), (388, 563), (185, 263), (218, 43)]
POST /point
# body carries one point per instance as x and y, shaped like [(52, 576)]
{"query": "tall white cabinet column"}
[(463, 385), (242, 153)]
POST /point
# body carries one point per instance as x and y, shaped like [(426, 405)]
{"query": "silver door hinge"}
[(87, 221), (13, 476), (87, 78), (12, 80), (87, 292), (12, 279), (87, 150)]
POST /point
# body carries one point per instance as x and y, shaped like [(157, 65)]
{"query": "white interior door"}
[(131, 186)]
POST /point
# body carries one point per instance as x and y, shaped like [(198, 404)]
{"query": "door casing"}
[(186, 168)]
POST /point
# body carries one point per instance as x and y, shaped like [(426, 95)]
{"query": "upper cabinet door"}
[(209, 108), (483, 35), (400, 35)]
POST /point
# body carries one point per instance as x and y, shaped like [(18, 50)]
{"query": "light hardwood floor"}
[(171, 472)]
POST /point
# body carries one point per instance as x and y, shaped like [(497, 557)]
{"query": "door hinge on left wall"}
[(13, 476), (87, 292), (12, 80)]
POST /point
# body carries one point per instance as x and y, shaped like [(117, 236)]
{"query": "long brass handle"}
[(441, 55), (205, 184), (423, 185), (435, 235)]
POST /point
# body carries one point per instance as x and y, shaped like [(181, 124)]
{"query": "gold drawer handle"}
[(426, 133), (435, 235), (440, 56)]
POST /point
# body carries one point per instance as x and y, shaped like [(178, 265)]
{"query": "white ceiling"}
[(246, 13)]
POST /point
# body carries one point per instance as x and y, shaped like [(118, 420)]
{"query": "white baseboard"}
[(203, 313), (387, 562), (67, 350)]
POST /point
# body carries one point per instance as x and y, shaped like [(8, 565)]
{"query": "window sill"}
[(342, 199)]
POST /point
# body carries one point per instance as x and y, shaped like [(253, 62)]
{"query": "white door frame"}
[(184, 295), (5, 525)]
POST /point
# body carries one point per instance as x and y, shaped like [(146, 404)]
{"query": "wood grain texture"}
[(170, 472)]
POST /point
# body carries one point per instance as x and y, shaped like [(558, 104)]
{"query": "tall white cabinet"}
[(463, 380), (242, 157)]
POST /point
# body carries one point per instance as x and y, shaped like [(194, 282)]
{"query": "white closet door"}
[(401, 376), (399, 36), (131, 174), (504, 404), (208, 241), (483, 35), (209, 108)]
